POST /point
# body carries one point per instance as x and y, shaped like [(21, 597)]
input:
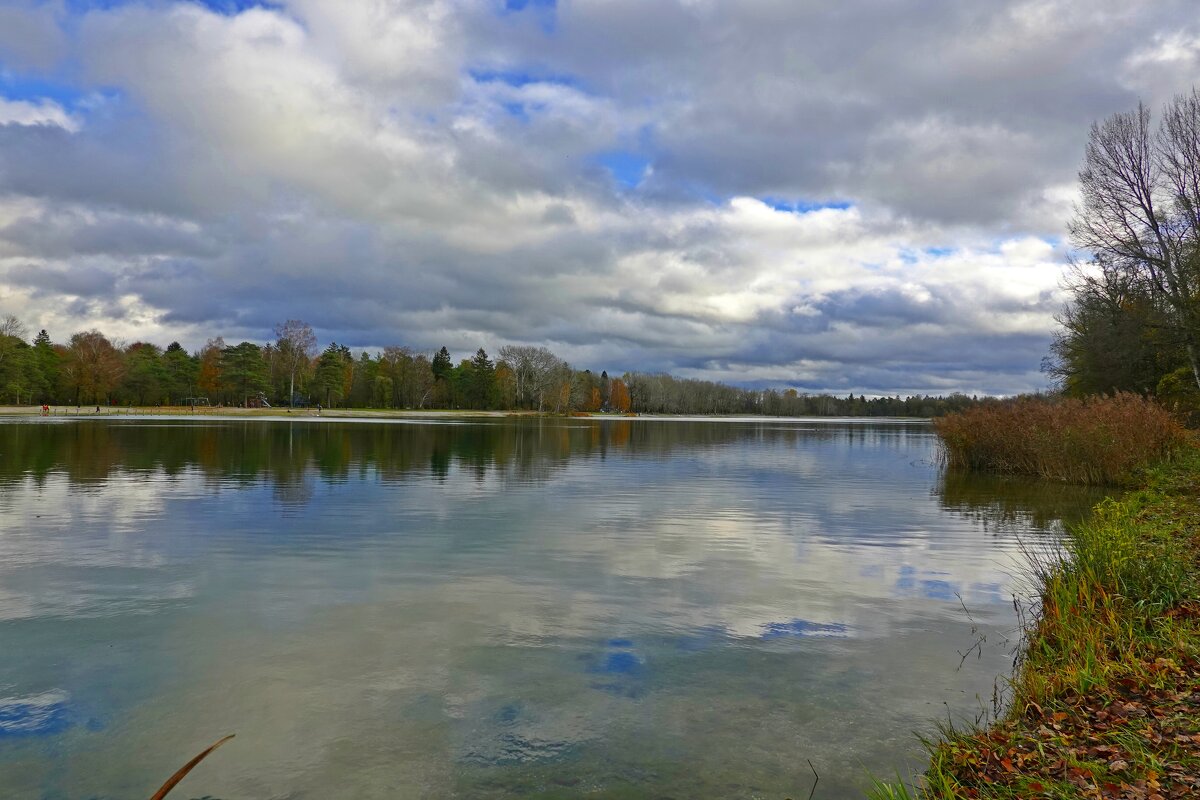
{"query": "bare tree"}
[(11, 326), (537, 374), (297, 344), (1140, 209)]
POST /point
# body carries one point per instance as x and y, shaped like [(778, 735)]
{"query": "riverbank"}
[(1105, 702)]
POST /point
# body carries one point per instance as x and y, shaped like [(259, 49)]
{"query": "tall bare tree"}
[(537, 374), (1140, 211), (11, 326), (297, 344)]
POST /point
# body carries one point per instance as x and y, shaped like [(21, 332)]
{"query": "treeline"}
[(90, 369), (1133, 323)]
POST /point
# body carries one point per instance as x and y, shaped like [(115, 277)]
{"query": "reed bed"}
[(1101, 440)]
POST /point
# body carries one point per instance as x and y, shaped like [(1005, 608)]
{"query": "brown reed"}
[(1095, 440)]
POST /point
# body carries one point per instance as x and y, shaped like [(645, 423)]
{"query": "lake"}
[(496, 608)]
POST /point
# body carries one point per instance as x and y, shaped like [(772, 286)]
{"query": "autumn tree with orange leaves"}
[(618, 396)]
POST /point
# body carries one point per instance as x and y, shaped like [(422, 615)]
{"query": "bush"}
[(1096, 440), (1177, 391)]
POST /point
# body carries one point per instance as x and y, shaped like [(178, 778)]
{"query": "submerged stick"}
[(188, 767)]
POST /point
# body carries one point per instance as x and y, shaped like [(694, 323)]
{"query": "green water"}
[(493, 608)]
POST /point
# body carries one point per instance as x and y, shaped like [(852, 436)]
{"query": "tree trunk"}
[(1194, 363)]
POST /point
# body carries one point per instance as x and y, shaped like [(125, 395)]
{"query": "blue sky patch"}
[(517, 110), (32, 90), (627, 168), (519, 77), (521, 5), (225, 7), (235, 7), (806, 206), (81, 6), (544, 10)]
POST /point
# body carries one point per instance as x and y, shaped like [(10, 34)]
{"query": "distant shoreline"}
[(230, 412), (361, 414)]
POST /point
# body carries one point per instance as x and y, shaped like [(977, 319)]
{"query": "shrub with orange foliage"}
[(1095, 440)]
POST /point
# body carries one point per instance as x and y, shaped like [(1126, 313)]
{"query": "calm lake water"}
[(494, 608)]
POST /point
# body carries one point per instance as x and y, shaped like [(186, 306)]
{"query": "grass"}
[(1103, 440), (1105, 701)]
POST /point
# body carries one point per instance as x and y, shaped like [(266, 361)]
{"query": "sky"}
[(862, 196)]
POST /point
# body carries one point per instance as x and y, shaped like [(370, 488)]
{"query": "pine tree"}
[(442, 369), (243, 370), (481, 388), (45, 367), (330, 378), (442, 365)]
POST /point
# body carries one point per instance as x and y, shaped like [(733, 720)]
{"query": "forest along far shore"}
[(90, 370)]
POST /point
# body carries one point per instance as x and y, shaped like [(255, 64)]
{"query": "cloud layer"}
[(857, 197)]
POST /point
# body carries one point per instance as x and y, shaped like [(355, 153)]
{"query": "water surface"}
[(494, 608)]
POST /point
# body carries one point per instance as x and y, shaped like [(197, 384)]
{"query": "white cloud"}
[(42, 112)]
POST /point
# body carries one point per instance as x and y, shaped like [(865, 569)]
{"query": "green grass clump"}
[(1095, 440)]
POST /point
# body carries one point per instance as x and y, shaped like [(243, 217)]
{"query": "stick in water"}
[(186, 768)]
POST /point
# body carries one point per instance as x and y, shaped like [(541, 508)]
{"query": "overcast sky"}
[(846, 196)]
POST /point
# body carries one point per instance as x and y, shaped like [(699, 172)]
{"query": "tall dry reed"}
[(1096, 440)]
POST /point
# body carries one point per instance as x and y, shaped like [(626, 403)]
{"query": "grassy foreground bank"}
[(1105, 702)]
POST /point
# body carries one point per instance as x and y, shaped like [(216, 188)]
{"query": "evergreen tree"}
[(181, 371), (364, 391), (243, 371), (442, 365), (329, 381), (45, 363), (481, 382), (443, 370)]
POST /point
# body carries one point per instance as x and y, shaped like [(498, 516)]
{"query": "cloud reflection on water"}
[(494, 608)]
